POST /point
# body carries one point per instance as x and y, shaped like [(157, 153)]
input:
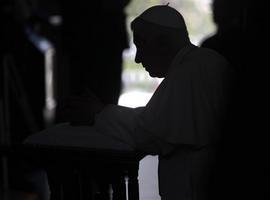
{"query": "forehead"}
[(144, 35), (143, 30)]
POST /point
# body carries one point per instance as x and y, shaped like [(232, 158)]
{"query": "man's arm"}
[(126, 124), (80, 110)]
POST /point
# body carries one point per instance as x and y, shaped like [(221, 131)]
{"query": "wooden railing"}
[(84, 173)]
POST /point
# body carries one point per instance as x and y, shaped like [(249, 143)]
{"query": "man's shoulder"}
[(200, 57), (208, 51), (203, 54)]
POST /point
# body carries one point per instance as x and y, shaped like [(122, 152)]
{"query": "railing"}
[(83, 173)]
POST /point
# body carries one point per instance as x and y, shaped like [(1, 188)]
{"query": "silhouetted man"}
[(183, 121)]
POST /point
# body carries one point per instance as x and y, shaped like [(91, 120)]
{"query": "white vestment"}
[(181, 123)]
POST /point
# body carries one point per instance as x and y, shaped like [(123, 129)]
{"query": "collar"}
[(179, 57)]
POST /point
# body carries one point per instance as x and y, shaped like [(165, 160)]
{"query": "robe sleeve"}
[(184, 110), (124, 124)]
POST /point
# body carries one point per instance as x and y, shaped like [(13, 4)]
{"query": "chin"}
[(152, 74), (155, 75)]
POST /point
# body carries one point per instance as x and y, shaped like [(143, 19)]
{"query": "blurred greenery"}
[(197, 14), (131, 64), (137, 6)]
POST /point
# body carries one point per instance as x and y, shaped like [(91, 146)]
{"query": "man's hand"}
[(81, 110)]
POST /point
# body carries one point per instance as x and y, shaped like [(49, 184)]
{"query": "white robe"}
[(181, 123)]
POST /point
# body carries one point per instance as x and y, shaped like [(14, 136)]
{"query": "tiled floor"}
[(148, 180)]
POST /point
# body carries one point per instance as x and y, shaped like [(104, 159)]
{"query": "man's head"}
[(159, 33)]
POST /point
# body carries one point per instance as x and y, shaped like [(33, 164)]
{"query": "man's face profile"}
[(159, 33), (148, 55)]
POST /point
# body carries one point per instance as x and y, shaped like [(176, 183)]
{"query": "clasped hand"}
[(81, 110)]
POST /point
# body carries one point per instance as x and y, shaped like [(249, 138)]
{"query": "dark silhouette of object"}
[(258, 99), (25, 70), (94, 37), (22, 93), (240, 27), (229, 40)]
